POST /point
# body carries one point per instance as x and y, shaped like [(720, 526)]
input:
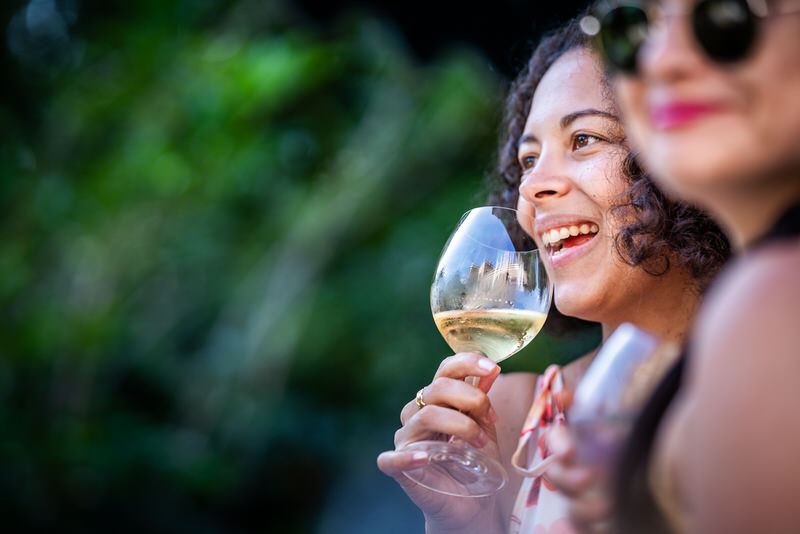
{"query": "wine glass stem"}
[(472, 381)]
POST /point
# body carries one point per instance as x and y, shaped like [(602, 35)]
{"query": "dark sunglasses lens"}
[(622, 32), (725, 28)]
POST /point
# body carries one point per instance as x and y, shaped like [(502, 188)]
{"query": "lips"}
[(674, 115), (560, 239)]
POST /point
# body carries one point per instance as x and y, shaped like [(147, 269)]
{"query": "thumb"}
[(394, 463)]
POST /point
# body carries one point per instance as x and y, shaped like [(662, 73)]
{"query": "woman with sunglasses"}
[(710, 92), (617, 251)]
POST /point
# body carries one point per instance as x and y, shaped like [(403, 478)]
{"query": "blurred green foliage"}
[(218, 235)]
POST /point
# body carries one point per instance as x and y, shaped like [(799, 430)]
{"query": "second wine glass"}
[(490, 295)]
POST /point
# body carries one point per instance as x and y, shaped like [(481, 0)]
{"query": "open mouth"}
[(556, 240)]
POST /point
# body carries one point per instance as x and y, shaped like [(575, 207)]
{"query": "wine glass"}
[(614, 388), (490, 295)]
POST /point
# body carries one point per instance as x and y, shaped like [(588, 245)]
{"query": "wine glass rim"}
[(516, 211)]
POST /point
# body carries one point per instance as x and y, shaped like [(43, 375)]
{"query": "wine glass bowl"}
[(613, 390), (490, 295)]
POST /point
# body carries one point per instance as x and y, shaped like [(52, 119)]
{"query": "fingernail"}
[(487, 365), (418, 456), (482, 440)]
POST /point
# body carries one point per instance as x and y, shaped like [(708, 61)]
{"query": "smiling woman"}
[(600, 219), (617, 250)]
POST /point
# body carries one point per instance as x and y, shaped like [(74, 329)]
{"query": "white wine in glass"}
[(490, 295), (495, 333)]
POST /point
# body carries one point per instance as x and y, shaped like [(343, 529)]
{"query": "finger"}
[(572, 481), (433, 421), (466, 364), (461, 396), (408, 410), (456, 394), (393, 463), (485, 383)]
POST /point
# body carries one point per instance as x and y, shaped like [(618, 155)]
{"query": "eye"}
[(583, 140), (527, 162)]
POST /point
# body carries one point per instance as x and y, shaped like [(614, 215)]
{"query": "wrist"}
[(488, 521)]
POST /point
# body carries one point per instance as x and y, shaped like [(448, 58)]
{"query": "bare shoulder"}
[(754, 307), (763, 268), (766, 272), (743, 374)]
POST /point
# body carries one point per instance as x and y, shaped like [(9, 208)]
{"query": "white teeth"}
[(553, 239), (557, 252)]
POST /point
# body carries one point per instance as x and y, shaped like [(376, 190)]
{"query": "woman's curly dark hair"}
[(658, 233)]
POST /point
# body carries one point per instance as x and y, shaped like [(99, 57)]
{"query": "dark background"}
[(504, 31), (218, 225)]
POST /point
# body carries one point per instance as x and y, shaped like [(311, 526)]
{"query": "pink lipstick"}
[(669, 116)]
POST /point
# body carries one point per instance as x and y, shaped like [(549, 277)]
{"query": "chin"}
[(574, 303), (688, 171)]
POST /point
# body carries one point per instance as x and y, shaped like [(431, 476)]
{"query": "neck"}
[(666, 311), (746, 214)]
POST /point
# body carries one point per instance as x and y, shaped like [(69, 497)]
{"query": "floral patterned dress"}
[(539, 509)]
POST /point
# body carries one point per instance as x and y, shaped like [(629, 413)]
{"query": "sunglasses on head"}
[(724, 29)]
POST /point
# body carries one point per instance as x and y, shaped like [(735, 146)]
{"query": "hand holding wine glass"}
[(490, 296), (453, 407)]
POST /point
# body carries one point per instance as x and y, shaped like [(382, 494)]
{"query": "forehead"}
[(574, 82)]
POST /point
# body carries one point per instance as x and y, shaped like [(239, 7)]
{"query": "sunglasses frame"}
[(592, 24)]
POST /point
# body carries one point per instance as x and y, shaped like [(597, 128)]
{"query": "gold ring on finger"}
[(418, 399)]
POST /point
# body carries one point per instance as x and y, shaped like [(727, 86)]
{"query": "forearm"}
[(488, 522)]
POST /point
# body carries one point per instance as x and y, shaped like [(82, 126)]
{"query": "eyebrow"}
[(566, 120)]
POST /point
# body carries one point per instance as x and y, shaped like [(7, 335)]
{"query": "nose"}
[(539, 186), (670, 51)]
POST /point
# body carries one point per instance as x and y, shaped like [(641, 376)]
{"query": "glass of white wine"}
[(490, 295)]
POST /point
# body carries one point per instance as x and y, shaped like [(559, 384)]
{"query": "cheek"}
[(774, 138), (696, 166), (602, 180), (630, 99), (526, 208)]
